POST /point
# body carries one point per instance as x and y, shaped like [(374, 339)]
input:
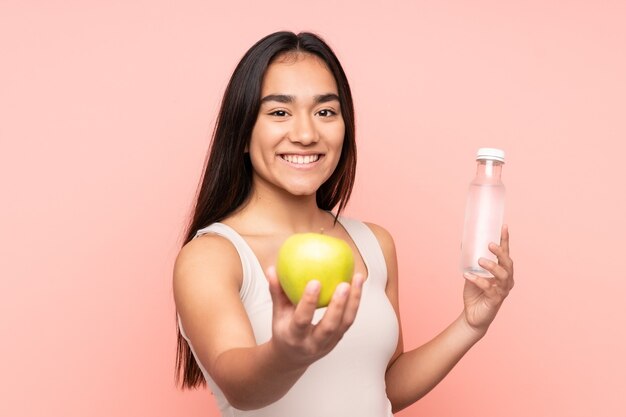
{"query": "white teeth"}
[(301, 160)]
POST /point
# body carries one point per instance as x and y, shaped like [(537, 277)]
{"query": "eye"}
[(327, 113), (278, 113)]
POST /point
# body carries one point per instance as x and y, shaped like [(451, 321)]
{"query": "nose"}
[(303, 130)]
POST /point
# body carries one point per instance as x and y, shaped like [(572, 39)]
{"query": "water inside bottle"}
[(478, 271), (483, 223)]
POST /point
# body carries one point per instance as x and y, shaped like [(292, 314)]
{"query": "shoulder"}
[(202, 249), (388, 247), (384, 238), (204, 260)]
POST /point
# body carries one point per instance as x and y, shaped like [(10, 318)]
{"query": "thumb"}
[(279, 298)]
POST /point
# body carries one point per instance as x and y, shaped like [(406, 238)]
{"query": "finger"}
[(504, 238), (503, 257), (487, 285), (354, 300), (505, 261), (280, 301), (303, 314), (498, 271), (326, 330), (500, 274)]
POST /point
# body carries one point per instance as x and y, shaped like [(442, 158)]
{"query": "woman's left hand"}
[(484, 296)]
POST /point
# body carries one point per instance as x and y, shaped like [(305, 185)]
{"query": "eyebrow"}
[(287, 99)]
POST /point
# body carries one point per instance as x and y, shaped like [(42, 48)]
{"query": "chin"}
[(302, 191)]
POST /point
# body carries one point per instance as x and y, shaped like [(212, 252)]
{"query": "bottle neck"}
[(489, 170)]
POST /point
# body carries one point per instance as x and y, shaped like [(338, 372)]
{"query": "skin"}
[(299, 116)]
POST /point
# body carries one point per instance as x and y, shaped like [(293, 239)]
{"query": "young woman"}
[(283, 156)]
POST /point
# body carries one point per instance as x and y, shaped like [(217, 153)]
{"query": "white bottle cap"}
[(491, 154)]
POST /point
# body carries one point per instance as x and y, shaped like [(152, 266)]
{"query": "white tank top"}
[(350, 380)]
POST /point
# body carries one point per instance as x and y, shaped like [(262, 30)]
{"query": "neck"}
[(272, 211)]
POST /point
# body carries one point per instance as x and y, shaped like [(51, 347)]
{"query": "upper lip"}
[(301, 153)]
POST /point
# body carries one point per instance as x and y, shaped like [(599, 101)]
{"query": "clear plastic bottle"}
[(484, 211)]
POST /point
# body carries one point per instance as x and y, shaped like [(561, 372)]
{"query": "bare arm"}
[(412, 374), (207, 279)]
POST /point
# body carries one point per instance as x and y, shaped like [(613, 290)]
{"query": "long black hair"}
[(227, 178)]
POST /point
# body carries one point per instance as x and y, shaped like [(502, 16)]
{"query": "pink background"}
[(106, 109)]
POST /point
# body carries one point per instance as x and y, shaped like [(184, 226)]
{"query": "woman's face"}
[(298, 135)]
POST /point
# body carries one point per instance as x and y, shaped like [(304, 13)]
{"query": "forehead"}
[(298, 74)]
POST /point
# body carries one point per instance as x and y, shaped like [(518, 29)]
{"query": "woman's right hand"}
[(294, 336)]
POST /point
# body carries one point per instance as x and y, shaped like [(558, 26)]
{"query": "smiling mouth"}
[(301, 159)]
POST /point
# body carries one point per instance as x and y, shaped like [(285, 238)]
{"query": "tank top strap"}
[(248, 259), (368, 246)]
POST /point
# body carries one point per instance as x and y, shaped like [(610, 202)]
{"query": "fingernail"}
[(342, 289), (312, 286), (469, 276), (358, 281)]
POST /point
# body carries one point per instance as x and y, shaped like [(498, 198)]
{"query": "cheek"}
[(262, 147), (266, 135), (257, 138), (335, 135), (258, 157)]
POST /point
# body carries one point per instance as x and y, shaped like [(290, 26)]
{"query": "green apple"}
[(313, 256)]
